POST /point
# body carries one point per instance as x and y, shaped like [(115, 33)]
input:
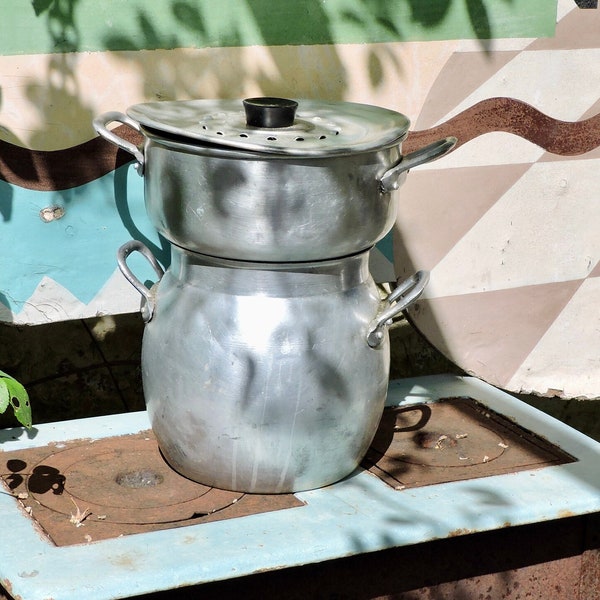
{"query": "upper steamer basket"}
[(270, 179)]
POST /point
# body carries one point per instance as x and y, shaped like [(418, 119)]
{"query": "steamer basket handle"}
[(148, 301), (100, 124), (392, 178), (400, 299)]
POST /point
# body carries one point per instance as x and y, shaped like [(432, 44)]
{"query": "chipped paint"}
[(458, 532), (52, 213), (7, 585), (565, 513)]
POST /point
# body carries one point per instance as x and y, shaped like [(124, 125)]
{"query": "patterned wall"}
[(519, 91), (508, 224)]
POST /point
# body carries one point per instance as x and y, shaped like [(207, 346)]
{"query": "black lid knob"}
[(270, 112)]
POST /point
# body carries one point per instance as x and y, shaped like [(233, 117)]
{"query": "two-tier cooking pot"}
[(266, 354), (269, 179)]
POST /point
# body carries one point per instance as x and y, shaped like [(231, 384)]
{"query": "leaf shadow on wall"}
[(297, 70), (293, 64), (227, 71)]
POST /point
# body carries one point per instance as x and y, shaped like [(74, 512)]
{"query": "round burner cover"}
[(124, 482), (443, 437)]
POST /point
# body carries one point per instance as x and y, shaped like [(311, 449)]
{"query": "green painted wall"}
[(46, 26)]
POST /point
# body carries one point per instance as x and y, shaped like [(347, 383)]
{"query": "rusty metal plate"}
[(128, 483), (451, 440), (87, 490)]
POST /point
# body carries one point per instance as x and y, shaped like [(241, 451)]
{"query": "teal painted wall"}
[(78, 250)]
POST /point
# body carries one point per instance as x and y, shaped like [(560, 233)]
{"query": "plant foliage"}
[(14, 394)]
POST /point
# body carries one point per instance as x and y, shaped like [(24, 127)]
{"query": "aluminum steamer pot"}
[(257, 180), (265, 378)]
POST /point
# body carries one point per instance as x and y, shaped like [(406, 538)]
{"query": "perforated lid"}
[(319, 127)]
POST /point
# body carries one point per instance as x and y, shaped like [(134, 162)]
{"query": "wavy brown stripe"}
[(47, 171), (64, 169), (513, 116)]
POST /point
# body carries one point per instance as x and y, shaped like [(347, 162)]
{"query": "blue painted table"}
[(357, 515)]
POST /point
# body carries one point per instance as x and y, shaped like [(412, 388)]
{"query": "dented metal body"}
[(266, 378)]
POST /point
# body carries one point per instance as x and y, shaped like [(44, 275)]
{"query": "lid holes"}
[(299, 139), (220, 133), (272, 138), (243, 135)]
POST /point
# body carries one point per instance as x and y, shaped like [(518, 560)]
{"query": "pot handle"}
[(400, 299), (148, 302), (390, 180), (100, 124)]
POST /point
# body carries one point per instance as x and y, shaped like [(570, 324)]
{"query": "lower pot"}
[(265, 378)]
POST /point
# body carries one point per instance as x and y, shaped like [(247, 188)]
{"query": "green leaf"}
[(18, 398), (4, 395)]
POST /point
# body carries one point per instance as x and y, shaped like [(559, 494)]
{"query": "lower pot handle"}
[(122, 253), (400, 299), (100, 125)]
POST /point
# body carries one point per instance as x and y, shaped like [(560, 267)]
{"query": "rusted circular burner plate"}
[(452, 440), (444, 438), (125, 483)]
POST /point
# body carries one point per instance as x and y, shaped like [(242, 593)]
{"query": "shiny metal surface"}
[(324, 187), (357, 516), (259, 378), (126, 249), (101, 124), (321, 128), (391, 179), (241, 205), (405, 294)]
